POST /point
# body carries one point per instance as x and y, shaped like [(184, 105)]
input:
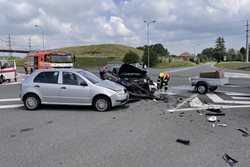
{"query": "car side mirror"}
[(83, 83)]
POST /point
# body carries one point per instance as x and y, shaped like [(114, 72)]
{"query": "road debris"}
[(180, 99), (217, 110), (224, 125), (245, 132), (200, 112), (215, 114), (212, 118), (229, 160), (186, 142)]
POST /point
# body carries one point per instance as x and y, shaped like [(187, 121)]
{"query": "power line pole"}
[(9, 44), (247, 46)]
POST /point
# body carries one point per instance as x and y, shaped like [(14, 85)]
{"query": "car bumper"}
[(119, 99)]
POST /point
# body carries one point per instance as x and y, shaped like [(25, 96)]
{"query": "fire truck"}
[(48, 60), (8, 71)]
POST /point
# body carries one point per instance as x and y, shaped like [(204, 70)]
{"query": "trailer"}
[(202, 85), (8, 71)]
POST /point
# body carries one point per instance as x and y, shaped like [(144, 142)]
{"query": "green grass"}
[(20, 61), (234, 65), (103, 50), (175, 64), (86, 62)]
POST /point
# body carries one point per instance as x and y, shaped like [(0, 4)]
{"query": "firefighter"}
[(163, 81), (25, 68)]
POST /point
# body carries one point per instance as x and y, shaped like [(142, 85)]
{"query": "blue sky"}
[(180, 26)]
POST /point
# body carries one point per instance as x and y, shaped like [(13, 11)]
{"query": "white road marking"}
[(217, 99), (6, 100), (195, 102), (236, 75), (185, 101), (241, 98), (235, 93), (11, 106), (207, 107)]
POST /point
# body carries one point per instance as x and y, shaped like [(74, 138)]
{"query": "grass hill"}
[(103, 50)]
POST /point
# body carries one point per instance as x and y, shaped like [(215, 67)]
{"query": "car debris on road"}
[(185, 142), (245, 132), (229, 160)]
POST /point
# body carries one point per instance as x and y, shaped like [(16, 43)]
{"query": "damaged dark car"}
[(135, 80)]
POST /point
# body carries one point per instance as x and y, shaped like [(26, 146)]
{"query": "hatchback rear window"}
[(47, 77)]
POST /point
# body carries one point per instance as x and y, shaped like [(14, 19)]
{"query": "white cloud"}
[(121, 21)]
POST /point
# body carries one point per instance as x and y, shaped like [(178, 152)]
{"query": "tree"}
[(231, 55), (153, 57), (202, 58), (220, 50), (131, 57), (243, 53), (158, 48), (220, 44), (209, 53)]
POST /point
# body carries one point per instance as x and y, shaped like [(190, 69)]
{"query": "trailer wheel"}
[(202, 87), (213, 88)]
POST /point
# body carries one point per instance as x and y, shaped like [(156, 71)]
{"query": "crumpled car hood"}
[(110, 85), (127, 68)]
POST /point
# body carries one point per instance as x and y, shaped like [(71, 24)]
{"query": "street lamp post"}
[(42, 34), (148, 22)]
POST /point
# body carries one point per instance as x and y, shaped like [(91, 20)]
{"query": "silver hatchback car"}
[(71, 87)]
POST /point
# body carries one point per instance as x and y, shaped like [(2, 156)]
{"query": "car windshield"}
[(90, 76), (55, 58)]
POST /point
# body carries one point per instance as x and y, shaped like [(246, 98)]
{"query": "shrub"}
[(131, 57)]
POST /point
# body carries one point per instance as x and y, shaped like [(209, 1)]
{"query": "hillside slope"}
[(103, 50)]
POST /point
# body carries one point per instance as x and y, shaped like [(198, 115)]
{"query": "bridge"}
[(14, 51)]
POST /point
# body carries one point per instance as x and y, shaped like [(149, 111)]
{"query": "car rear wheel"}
[(32, 102), (102, 103)]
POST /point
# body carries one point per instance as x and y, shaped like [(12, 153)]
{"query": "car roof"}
[(63, 69)]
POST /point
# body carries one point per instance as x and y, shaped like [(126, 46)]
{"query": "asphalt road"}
[(141, 133)]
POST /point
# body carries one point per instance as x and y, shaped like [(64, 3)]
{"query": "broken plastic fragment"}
[(217, 110), (212, 118), (224, 125), (186, 142), (244, 133), (229, 160), (216, 114)]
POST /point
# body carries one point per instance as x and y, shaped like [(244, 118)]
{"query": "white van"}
[(8, 70)]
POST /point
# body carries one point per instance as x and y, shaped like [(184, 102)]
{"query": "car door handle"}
[(63, 87), (37, 86)]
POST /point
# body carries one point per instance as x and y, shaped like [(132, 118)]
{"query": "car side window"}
[(47, 77), (70, 78)]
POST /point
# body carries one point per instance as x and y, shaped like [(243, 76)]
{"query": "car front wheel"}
[(102, 103), (32, 102)]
